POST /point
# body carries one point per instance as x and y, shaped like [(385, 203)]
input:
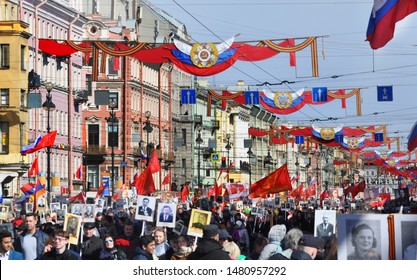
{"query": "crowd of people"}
[(229, 235)]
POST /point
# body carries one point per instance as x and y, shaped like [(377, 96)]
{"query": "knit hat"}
[(277, 233)]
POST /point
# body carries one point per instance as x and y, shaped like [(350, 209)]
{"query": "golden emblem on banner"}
[(204, 55), (283, 100), (327, 133)]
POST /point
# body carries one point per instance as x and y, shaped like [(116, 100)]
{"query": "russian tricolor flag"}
[(41, 142), (385, 14)]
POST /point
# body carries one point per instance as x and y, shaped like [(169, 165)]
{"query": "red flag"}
[(116, 63), (145, 184), (78, 197), (376, 204), (166, 180), (276, 182), (296, 193), (153, 164), (357, 188), (184, 193), (34, 169), (324, 195), (115, 196), (100, 190)]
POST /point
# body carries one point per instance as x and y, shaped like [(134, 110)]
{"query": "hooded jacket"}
[(208, 249), (275, 236)]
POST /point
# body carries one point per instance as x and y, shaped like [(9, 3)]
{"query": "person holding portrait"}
[(364, 243)]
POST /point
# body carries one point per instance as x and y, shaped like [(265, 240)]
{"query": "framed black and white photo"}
[(29, 207), (198, 220), (405, 228), (145, 209), (4, 212), (55, 206), (72, 225), (166, 215), (88, 213), (324, 223), (362, 237)]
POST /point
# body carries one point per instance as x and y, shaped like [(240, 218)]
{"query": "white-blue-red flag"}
[(385, 14)]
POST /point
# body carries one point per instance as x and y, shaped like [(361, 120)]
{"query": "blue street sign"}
[(251, 97), (319, 94), (385, 93), (188, 96), (123, 163)]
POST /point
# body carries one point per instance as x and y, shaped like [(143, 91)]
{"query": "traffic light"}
[(223, 162)]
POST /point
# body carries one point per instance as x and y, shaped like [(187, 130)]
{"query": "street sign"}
[(188, 96), (385, 93), (123, 163), (215, 157), (251, 97), (319, 94)]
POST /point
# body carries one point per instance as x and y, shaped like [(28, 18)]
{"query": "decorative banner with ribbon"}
[(199, 59)]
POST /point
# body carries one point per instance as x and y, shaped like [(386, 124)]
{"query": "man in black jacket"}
[(91, 246), (208, 247)]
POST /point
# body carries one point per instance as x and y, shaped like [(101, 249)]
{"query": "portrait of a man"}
[(77, 209), (4, 212), (72, 225), (88, 211), (145, 211), (325, 228), (405, 237), (54, 207), (41, 202), (166, 215), (198, 220), (29, 207)]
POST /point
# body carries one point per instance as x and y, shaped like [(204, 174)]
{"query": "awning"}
[(7, 177)]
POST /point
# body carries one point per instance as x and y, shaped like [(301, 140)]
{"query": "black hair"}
[(144, 240), (5, 234)]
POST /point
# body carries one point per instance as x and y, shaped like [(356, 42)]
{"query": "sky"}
[(342, 49)]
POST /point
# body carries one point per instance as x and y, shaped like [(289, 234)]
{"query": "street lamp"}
[(199, 141), (49, 106), (268, 159), (113, 129), (148, 128), (252, 160)]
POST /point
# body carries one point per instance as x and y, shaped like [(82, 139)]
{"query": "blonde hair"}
[(232, 249)]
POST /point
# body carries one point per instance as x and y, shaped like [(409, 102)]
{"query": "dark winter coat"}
[(208, 249)]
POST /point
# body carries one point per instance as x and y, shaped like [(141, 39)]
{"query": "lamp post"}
[(49, 106), (268, 159), (199, 141), (113, 122), (148, 128), (228, 147)]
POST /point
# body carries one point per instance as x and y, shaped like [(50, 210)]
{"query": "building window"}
[(4, 55), (93, 135), (114, 96), (4, 132), (23, 57), (4, 97), (184, 136), (93, 176), (112, 135), (183, 166)]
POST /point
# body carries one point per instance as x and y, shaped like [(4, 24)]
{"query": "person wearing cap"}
[(208, 247), (224, 237), (308, 246), (91, 246), (6, 248)]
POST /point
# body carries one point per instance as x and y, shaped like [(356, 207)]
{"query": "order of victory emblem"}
[(204, 55), (352, 142), (283, 100)]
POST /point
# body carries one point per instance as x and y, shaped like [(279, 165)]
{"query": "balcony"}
[(95, 150)]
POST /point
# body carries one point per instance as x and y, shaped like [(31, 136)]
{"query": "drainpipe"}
[(70, 113)]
